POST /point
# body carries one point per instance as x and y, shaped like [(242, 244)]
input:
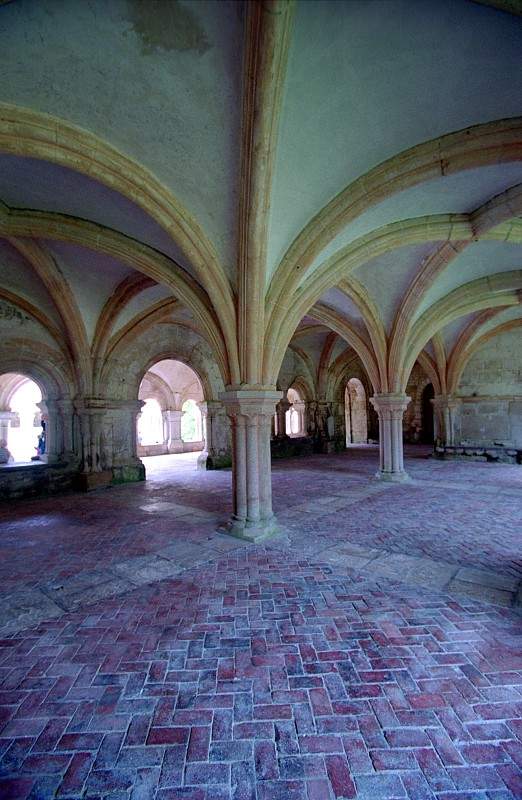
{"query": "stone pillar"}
[(390, 409), (281, 409), (324, 427), (125, 464), (53, 432), (217, 451), (109, 442), (250, 412), (172, 421), (310, 416), (66, 411), (447, 418), (6, 418)]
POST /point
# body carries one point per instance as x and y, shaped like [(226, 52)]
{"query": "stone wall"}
[(491, 393), (26, 480)]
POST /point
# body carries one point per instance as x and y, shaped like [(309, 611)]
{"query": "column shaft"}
[(390, 409), (251, 411)]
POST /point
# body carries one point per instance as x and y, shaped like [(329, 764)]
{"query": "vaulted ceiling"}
[(244, 165)]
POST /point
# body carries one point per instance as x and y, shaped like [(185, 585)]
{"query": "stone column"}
[(53, 432), (250, 412), (109, 442), (217, 452), (6, 418), (172, 419), (125, 464), (390, 409), (447, 413), (66, 410), (324, 427), (310, 415), (281, 409)]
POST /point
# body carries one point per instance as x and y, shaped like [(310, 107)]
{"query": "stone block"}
[(146, 569), (26, 607), (486, 594), (483, 577), (88, 481)]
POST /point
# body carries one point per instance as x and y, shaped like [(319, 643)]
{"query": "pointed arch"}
[(500, 290), (34, 134), (45, 225), (493, 142)]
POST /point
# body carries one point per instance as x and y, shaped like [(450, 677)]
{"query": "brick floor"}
[(267, 672)]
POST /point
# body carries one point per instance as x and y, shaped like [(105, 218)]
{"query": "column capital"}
[(391, 404), (173, 413), (99, 405), (446, 401), (250, 402)]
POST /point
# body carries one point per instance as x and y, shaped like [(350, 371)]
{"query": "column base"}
[(128, 473), (87, 481), (392, 477), (254, 532)]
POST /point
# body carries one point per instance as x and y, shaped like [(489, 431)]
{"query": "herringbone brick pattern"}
[(265, 677)]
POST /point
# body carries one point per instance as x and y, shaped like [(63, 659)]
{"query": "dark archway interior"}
[(428, 428)]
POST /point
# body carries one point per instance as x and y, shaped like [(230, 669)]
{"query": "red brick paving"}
[(258, 677), (265, 674)]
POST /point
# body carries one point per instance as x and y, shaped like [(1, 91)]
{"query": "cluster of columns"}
[(107, 446), (390, 408), (446, 409), (251, 413)]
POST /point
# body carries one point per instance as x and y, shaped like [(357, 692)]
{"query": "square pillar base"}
[(87, 481), (254, 532), (392, 477)]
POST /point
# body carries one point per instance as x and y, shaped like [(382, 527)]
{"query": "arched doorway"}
[(170, 420), (427, 422), (22, 429), (355, 413)]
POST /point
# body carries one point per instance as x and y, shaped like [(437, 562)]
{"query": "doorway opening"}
[(170, 420), (22, 427)]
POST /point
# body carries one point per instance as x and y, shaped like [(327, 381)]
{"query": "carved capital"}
[(250, 403), (390, 405)]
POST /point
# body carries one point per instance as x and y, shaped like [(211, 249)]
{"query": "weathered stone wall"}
[(491, 392)]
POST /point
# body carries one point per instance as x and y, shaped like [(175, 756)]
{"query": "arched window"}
[(191, 427), (355, 413), (150, 423), (21, 425), (294, 417)]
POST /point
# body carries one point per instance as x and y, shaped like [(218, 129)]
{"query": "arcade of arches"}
[(260, 399)]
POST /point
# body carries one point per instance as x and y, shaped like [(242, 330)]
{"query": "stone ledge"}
[(504, 454)]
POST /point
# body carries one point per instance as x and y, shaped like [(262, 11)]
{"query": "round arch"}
[(134, 355), (39, 364), (22, 426)]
